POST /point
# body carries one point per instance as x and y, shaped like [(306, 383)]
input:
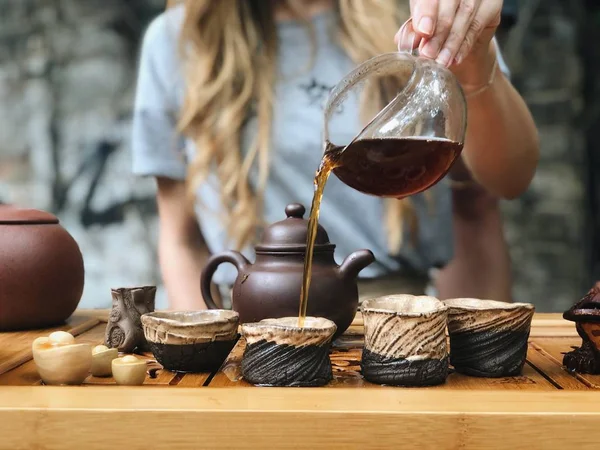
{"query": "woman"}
[(228, 108)]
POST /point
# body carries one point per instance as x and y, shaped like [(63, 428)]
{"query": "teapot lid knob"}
[(295, 210), (289, 235)]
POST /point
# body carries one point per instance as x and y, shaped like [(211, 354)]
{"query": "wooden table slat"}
[(15, 346), (553, 348), (553, 369), (282, 418), (194, 380)]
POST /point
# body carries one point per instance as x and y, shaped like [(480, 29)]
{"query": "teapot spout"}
[(356, 262)]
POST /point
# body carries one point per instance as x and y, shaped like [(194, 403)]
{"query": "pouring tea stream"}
[(409, 146)]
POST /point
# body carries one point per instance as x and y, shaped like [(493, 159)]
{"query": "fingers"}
[(461, 27), (424, 15), (447, 30), (406, 39), (480, 27), (446, 13)]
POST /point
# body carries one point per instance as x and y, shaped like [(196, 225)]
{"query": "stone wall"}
[(67, 72), (546, 227), (590, 122)]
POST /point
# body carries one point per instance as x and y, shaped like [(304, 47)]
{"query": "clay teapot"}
[(270, 288), (41, 270)]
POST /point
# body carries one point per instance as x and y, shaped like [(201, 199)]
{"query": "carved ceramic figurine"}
[(586, 315), (124, 329)]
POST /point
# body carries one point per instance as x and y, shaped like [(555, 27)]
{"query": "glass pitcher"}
[(412, 142)]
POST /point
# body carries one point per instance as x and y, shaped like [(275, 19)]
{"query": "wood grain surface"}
[(36, 417), (545, 408), (15, 347)]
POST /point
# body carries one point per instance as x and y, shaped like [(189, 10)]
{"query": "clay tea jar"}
[(41, 270), (270, 287)]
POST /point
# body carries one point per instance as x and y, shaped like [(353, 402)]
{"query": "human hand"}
[(451, 31)]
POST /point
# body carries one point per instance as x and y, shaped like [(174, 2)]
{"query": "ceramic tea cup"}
[(280, 353), (129, 370), (60, 360), (405, 341), (191, 341), (102, 358), (488, 338)]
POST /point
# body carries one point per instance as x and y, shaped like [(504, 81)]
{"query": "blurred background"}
[(67, 79)]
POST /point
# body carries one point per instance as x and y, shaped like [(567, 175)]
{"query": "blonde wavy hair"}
[(229, 49)]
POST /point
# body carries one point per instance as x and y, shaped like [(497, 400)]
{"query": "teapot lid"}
[(289, 235), (588, 308), (11, 215)]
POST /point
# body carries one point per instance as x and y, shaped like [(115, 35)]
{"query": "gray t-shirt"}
[(353, 220)]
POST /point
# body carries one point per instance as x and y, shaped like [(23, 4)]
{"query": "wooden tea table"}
[(545, 408)]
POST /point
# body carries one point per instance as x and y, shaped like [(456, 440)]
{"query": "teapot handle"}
[(235, 258)]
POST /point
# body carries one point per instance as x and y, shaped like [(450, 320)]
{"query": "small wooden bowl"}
[(61, 364)]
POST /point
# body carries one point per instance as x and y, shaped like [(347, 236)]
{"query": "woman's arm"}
[(481, 266), (501, 147), (159, 152), (181, 247)]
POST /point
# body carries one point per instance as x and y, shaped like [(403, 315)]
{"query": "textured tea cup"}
[(191, 341), (280, 353), (488, 338), (405, 341)]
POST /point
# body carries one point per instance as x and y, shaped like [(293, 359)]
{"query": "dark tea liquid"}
[(380, 167), (394, 167)]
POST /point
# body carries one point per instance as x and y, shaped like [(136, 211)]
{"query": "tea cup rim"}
[(61, 349), (477, 304), (219, 316), (438, 305), (275, 323)]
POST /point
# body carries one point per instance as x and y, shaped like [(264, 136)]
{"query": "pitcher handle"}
[(413, 50), (236, 258)]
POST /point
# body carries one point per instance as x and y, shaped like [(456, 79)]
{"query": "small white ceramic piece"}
[(59, 360), (129, 370), (102, 358), (61, 338)]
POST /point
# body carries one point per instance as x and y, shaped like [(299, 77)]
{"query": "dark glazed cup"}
[(405, 341), (191, 341), (488, 338), (280, 353)]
